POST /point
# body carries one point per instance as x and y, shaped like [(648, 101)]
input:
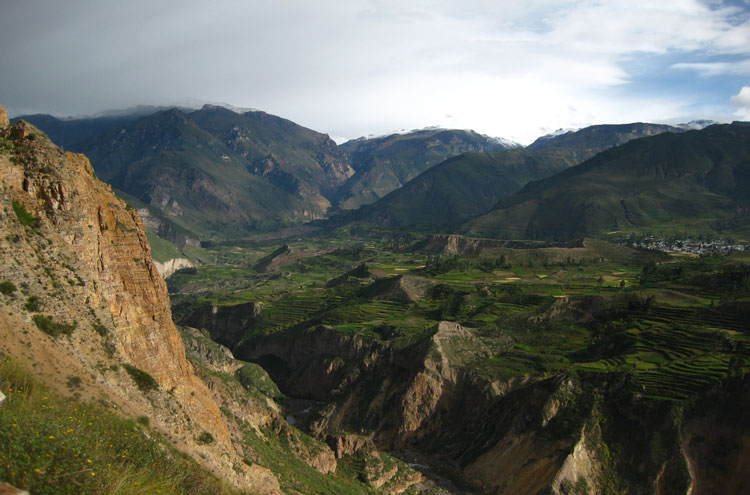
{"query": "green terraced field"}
[(671, 324)]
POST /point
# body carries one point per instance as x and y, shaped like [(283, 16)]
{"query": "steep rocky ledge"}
[(419, 396), (82, 256), (168, 267), (524, 434)]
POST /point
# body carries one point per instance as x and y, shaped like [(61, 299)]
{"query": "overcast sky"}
[(507, 68)]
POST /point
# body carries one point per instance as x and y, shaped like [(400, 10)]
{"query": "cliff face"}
[(558, 434), (226, 324), (82, 256), (420, 397)]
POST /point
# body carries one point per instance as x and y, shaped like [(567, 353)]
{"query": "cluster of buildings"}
[(697, 246)]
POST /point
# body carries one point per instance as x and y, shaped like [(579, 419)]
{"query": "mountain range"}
[(470, 184), (386, 163), (213, 174), (484, 366), (697, 180)]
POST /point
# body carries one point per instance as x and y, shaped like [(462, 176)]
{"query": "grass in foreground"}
[(51, 445)]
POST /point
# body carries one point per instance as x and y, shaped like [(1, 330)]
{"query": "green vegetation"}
[(468, 185), (53, 328), (51, 445), (205, 438), (7, 288), (661, 320), (161, 249), (32, 304), (253, 376), (26, 218), (383, 164), (143, 380), (100, 329), (670, 183)]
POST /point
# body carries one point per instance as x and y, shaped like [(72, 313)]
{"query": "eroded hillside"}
[(87, 312), (511, 367)]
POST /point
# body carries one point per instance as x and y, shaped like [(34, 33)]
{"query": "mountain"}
[(191, 177), (102, 393), (386, 163), (89, 298), (598, 137), (697, 181), (210, 173), (471, 184), (301, 161), (70, 133)]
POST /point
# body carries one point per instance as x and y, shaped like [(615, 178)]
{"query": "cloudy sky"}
[(356, 67)]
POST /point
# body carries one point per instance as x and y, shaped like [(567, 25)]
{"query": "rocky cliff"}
[(90, 300), (563, 433)]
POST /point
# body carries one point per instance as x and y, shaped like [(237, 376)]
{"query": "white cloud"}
[(742, 100), (357, 67), (710, 69)]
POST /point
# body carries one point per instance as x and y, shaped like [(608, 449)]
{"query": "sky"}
[(350, 68)]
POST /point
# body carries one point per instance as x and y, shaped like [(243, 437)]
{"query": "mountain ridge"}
[(468, 185), (697, 177)]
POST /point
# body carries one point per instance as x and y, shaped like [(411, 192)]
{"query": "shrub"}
[(7, 288), (143, 380), (53, 328), (32, 304), (74, 382), (23, 215), (100, 329), (205, 438)]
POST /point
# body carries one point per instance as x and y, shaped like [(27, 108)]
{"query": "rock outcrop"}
[(527, 434), (225, 324), (168, 267), (83, 254)]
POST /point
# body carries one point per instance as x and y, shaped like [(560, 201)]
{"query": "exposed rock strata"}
[(91, 248), (225, 324), (561, 434), (168, 267)]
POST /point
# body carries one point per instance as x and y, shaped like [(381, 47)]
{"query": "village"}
[(690, 245)]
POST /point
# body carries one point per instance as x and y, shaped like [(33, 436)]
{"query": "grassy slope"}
[(385, 164), (470, 185), (691, 182), (460, 188), (54, 445)]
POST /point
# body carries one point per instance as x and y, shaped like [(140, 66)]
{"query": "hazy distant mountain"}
[(303, 162), (469, 185), (687, 182), (386, 163), (167, 161), (598, 137), (210, 171)]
